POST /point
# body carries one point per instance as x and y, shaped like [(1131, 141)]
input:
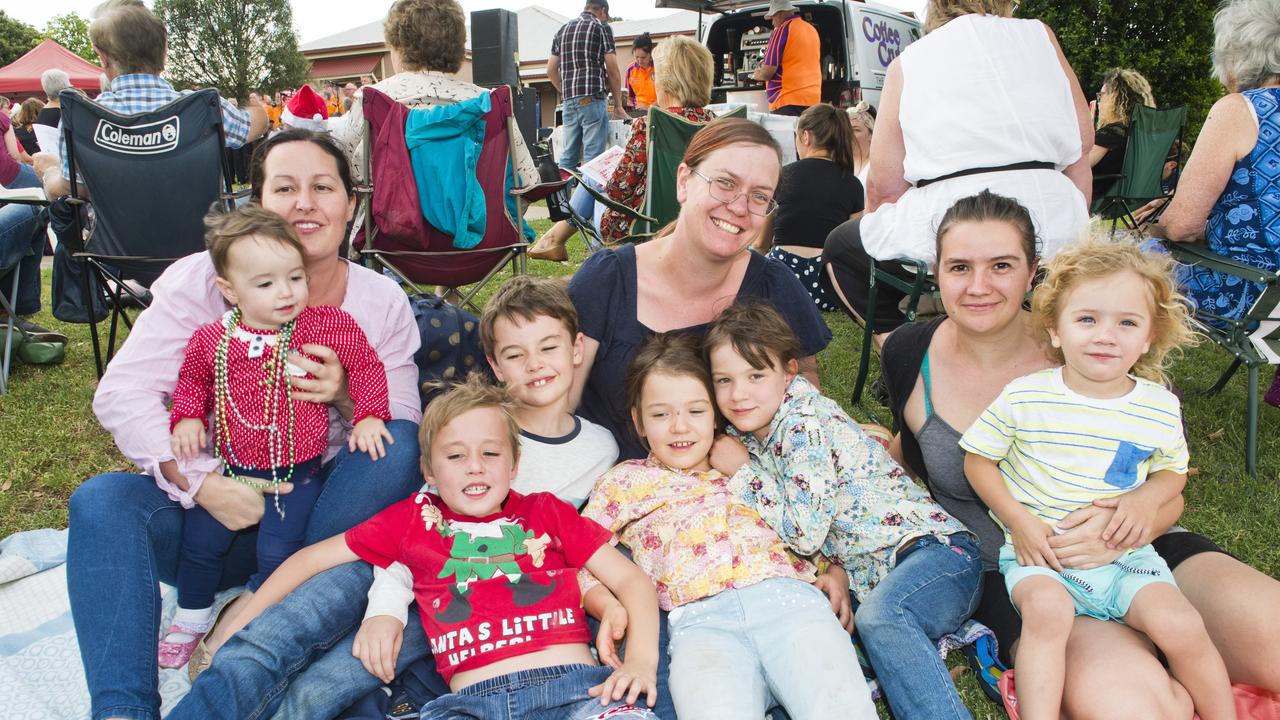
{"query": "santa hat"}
[(305, 110)]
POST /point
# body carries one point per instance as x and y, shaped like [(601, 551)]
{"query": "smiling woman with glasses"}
[(727, 190)]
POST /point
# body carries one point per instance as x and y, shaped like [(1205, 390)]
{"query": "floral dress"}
[(627, 185), (1245, 222)]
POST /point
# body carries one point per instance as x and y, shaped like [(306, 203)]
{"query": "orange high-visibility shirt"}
[(794, 49), (640, 86)]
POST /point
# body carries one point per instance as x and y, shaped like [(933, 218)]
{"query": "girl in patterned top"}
[(721, 573), (826, 487), (237, 371)]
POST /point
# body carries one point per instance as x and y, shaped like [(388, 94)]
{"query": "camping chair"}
[(417, 253), (668, 136), (921, 282), (151, 179), (1152, 133), (1253, 340)]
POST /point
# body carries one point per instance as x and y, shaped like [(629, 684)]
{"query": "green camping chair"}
[(1253, 340), (1152, 133), (669, 135), (922, 282)]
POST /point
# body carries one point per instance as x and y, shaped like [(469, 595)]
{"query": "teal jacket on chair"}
[(444, 147)]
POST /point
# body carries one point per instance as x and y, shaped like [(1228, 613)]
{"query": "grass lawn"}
[(50, 442)]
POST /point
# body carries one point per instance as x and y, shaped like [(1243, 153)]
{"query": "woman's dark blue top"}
[(604, 292)]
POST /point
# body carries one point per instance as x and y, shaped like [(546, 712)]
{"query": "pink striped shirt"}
[(133, 396)]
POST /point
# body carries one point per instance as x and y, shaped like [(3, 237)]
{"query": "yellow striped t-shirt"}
[(1059, 451)]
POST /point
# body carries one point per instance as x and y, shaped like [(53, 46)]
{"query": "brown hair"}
[(1122, 90), (471, 394), (28, 111), (723, 132), (673, 353), (831, 132), (428, 34), (257, 166), (940, 12), (757, 332), (1099, 257), (988, 206), (130, 35), (527, 297), (222, 230)]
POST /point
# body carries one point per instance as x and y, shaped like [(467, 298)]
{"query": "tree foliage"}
[(16, 38), (71, 31), (1168, 41), (234, 45)]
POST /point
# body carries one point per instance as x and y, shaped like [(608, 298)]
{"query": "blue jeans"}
[(21, 246), (205, 541), (549, 693), (930, 592), (124, 539), (734, 653), (586, 129)]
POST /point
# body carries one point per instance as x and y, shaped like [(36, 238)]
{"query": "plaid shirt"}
[(142, 92), (581, 44)]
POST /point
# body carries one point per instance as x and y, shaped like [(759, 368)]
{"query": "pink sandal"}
[(176, 654)]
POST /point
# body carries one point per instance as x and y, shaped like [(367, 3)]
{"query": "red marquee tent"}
[(22, 77)]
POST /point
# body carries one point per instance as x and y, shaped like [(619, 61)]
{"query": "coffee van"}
[(858, 41)]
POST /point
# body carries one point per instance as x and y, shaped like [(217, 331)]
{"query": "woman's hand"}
[(1080, 546), (327, 383), (232, 503), (1136, 514)]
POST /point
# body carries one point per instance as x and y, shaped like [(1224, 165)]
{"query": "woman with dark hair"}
[(125, 527), (638, 79), (428, 44), (22, 122), (816, 193)]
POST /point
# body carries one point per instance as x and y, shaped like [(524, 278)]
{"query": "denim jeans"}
[(125, 535), (21, 247), (586, 129), (549, 693), (929, 593), (735, 652), (205, 541)]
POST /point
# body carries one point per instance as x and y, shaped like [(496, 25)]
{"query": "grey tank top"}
[(944, 461)]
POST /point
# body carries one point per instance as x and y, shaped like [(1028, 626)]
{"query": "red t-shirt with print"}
[(488, 588)]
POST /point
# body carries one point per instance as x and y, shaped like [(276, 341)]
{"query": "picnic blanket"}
[(41, 676)]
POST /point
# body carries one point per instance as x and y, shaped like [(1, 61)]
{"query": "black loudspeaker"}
[(528, 113), (495, 41)]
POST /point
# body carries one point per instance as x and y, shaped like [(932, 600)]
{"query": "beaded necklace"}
[(280, 450)]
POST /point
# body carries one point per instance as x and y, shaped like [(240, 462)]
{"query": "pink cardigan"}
[(133, 396)]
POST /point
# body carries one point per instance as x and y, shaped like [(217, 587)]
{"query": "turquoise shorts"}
[(1103, 592)]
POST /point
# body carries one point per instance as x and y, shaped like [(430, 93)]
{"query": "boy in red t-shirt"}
[(495, 576)]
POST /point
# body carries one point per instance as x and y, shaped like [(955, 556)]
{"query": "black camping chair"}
[(151, 179)]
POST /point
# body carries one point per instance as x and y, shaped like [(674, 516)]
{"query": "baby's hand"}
[(368, 435), (1031, 543), (613, 626), (1135, 515), (188, 438), (629, 680), (377, 645), (728, 454)]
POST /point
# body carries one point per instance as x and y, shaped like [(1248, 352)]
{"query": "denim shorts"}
[(1102, 592), (550, 693)]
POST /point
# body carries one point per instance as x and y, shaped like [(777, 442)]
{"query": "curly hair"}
[(1122, 90), (427, 34), (1099, 257)]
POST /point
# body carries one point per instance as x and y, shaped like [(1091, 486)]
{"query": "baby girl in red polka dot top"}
[(236, 376)]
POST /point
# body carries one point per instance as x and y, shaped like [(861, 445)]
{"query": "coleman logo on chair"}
[(157, 137)]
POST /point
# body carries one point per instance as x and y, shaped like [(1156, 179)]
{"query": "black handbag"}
[(69, 303)]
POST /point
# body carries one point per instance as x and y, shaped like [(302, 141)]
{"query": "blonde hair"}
[(1123, 89), (683, 68), (1100, 257), (940, 12), (473, 393)]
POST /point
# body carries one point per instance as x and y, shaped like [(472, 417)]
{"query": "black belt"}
[(1029, 165)]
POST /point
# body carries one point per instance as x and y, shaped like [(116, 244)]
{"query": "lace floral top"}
[(825, 486), (687, 531), (1244, 224), (627, 185)]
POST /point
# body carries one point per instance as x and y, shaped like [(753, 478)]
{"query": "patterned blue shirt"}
[(824, 486), (143, 92)]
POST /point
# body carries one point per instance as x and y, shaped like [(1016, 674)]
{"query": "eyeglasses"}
[(725, 190)]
